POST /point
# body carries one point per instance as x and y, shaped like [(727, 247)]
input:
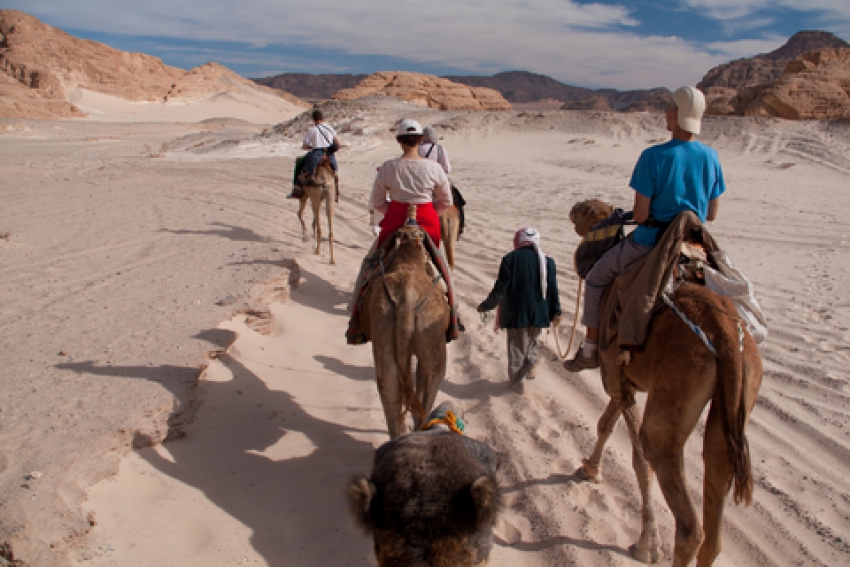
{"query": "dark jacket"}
[(517, 289)]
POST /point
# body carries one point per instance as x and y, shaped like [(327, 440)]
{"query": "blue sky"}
[(607, 43)]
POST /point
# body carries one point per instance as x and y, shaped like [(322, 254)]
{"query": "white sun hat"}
[(409, 126), (690, 103)]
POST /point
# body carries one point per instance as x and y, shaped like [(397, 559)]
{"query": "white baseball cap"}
[(691, 105), (409, 126)]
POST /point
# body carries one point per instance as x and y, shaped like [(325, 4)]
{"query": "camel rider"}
[(680, 175), (430, 149), (317, 140), (410, 179), (405, 180)]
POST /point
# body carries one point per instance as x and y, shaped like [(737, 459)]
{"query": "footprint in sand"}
[(548, 433), (507, 531)]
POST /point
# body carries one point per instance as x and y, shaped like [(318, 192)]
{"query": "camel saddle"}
[(380, 260), (636, 294)]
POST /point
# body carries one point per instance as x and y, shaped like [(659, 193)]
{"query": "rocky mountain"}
[(312, 88), (766, 68), (524, 87), (813, 86), (649, 100), (724, 83), (40, 64), (426, 90)]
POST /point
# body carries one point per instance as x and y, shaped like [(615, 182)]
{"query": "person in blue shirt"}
[(680, 175)]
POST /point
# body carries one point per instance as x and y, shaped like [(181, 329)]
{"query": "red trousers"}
[(396, 216)]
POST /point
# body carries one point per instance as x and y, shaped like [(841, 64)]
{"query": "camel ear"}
[(487, 499), (360, 493)]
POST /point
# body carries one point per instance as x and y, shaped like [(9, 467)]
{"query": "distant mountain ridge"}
[(309, 87), (523, 87), (517, 87)]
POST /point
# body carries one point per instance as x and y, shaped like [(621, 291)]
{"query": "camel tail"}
[(405, 321), (733, 378)]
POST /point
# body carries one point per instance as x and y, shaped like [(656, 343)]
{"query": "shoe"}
[(297, 193), (531, 374), (519, 387), (581, 362)]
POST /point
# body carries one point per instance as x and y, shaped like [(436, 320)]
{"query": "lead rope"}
[(575, 324)]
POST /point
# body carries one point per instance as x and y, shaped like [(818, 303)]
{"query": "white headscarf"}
[(530, 237)]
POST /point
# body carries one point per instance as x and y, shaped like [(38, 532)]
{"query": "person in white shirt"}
[(430, 149), (318, 139)]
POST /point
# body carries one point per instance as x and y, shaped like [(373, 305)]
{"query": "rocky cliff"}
[(731, 87), (427, 90), (813, 86), (40, 64)]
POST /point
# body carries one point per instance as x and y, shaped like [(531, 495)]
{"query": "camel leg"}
[(648, 547), (589, 470), (670, 417), (389, 389), (317, 205), (330, 210), (715, 487), (430, 371), (302, 204)]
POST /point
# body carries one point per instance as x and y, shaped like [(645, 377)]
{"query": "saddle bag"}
[(601, 237)]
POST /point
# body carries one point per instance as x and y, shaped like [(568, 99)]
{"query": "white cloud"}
[(738, 9), (581, 44)]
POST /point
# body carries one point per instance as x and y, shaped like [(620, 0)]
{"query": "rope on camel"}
[(575, 324)]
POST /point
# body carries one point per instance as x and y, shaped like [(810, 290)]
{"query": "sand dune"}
[(134, 249)]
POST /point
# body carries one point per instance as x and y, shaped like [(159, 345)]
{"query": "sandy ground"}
[(132, 250)]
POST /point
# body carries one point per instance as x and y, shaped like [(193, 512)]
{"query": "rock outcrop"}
[(427, 90), (814, 86), (215, 79), (41, 65), (730, 88)]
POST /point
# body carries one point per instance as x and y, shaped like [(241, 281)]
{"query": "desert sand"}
[(177, 387)]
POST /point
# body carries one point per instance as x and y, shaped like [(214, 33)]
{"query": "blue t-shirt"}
[(676, 176)]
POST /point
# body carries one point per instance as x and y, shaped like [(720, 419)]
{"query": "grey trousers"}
[(604, 272), (523, 352)]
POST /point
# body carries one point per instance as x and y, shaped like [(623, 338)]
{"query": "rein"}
[(575, 324)]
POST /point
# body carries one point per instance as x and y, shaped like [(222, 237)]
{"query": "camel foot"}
[(647, 556), (305, 238), (587, 473)]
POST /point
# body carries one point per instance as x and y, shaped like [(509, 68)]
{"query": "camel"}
[(680, 376), (406, 314), (317, 188), (449, 233), (432, 499)]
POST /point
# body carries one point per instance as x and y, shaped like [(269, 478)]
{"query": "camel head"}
[(432, 500), (587, 213)]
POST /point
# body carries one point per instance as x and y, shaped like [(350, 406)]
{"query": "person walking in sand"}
[(320, 140), (680, 175), (526, 292)]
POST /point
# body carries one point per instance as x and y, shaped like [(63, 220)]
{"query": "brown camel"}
[(449, 233), (431, 501), (680, 376), (317, 188), (406, 314)]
